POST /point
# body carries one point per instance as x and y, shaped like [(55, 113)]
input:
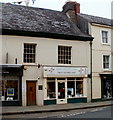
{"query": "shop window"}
[(79, 88), (107, 90), (71, 78), (51, 90), (71, 89), (10, 90), (51, 79)]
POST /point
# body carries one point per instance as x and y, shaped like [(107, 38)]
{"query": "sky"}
[(100, 8)]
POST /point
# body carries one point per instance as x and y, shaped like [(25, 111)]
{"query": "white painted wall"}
[(46, 50), (99, 49), (46, 54)]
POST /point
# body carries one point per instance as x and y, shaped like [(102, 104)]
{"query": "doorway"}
[(31, 92), (62, 92)]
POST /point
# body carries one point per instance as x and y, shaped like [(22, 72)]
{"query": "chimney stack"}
[(71, 8), (71, 5)]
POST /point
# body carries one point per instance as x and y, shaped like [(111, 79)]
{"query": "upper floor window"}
[(105, 37), (106, 61), (29, 53), (64, 54)]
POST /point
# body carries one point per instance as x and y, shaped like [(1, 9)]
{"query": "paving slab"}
[(8, 110)]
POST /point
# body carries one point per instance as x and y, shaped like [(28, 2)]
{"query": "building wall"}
[(99, 49), (46, 54), (44, 50)]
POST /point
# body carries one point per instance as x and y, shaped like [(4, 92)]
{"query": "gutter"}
[(46, 35)]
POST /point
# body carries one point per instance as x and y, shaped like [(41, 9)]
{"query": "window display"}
[(51, 89), (10, 90), (71, 89), (79, 88), (107, 93), (74, 88)]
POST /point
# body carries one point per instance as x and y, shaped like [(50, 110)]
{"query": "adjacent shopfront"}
[(65, 85), (11, 84), (106, 86)]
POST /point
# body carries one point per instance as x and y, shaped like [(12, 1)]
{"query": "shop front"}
[(11, 80), (106, 86), (65, 85)]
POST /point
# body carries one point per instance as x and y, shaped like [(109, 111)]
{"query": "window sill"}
[(50, 99), (106, 70), (64, 64), (30, 64), (106, 44), (76, 97)]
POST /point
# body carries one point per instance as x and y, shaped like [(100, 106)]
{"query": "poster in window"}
[(10, 92), (70, 91)]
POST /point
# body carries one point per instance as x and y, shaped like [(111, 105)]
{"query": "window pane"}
[(10, 90), (70, 89), (29, 53), (51, 90), (104, 36), (106, 61), (79, 88), (64, 55)]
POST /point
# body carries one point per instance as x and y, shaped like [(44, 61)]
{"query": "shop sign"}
[(65, 71)]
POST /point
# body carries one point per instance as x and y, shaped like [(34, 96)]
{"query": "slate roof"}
[(22, 18), (96, 19)]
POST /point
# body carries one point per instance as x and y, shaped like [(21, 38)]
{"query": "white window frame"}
[(108, 37), (31, 63), (106, 69), (57, 54)]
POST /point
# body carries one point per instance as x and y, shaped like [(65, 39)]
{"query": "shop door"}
[(31, 93), (62, 99)]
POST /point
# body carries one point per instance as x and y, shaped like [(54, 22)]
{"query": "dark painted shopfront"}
[(11, 85), (106, 86)]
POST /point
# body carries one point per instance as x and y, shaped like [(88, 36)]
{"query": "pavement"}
[(11, 110)]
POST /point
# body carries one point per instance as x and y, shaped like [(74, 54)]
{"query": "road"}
[(102, 112)]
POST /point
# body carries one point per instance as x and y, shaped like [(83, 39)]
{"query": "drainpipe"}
[(91, 67)]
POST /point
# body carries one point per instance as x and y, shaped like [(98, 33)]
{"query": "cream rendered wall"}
[(46, 50), (46, 54), (99, 49)]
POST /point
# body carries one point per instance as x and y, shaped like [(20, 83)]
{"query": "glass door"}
[(62, 92)]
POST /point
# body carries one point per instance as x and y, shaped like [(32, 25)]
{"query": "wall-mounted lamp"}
[(39, 65), (25, 67)]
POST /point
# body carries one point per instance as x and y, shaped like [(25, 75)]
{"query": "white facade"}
[(47, 57), (100, 49)]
